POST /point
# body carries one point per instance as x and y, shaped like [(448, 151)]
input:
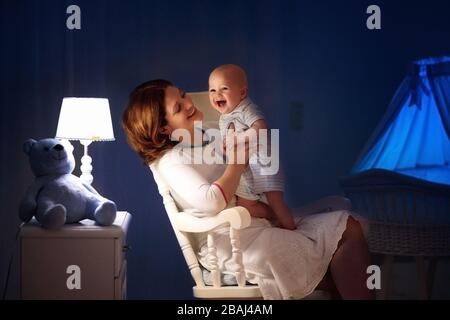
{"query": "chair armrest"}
[(236, 217), (326, 204)]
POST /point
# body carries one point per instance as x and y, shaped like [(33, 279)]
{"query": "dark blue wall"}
[(318, 54)]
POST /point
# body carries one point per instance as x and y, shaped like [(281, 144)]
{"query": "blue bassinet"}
[(400, 184)]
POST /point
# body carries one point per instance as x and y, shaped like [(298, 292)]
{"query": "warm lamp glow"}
[(87, 120)]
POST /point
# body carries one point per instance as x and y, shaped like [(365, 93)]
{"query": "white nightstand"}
[(79, 261)]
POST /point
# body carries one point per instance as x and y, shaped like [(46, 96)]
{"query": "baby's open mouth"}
[(221, 103)]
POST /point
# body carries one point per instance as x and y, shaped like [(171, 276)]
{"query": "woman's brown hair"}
[(143, 118)]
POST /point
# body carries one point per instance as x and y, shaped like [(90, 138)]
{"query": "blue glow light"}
[(413, 137)]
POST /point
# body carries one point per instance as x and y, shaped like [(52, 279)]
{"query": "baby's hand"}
[(262, 211), (256, 209), (239, 153)]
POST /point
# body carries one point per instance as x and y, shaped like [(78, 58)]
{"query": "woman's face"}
[(180, 111)]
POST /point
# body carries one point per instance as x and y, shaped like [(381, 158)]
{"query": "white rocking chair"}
[(238, 218), (184, 225)]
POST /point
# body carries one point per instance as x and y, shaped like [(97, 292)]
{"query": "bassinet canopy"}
[(413, 137)]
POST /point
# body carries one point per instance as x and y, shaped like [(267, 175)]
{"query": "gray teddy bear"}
[(57, 196)]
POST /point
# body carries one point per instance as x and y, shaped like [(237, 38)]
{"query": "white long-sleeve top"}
[(191, 185)]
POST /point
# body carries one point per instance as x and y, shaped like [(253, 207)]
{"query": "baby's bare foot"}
[(285, 218)]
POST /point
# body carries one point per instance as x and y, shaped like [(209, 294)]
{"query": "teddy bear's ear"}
[(27, 145)]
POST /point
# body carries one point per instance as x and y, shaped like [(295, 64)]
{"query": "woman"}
[(325, 251)]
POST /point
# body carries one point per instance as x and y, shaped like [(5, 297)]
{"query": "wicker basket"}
[(409, 240), (405, 215)]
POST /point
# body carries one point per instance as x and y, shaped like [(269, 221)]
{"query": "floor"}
[(404, 284)]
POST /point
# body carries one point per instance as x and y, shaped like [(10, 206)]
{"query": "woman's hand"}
[(256, 208), (236, 155), (235, 149)]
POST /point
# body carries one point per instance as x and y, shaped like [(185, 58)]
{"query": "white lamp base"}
[(86, 160)]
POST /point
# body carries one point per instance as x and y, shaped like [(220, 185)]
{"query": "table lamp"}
[(86, 120)]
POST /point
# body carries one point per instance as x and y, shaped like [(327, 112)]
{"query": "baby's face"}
[(224, 92)]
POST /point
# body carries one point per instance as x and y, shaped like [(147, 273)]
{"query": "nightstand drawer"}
[(79, 261), (48, 265), (120, 283)]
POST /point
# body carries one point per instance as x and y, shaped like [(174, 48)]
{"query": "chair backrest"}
[(184, 239), (201, 102)]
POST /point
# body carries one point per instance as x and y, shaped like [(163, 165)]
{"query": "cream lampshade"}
[(86, 120)]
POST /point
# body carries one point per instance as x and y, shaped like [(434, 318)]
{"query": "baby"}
[(228, 94)]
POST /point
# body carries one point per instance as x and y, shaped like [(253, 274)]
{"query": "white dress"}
[(285, 264)]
